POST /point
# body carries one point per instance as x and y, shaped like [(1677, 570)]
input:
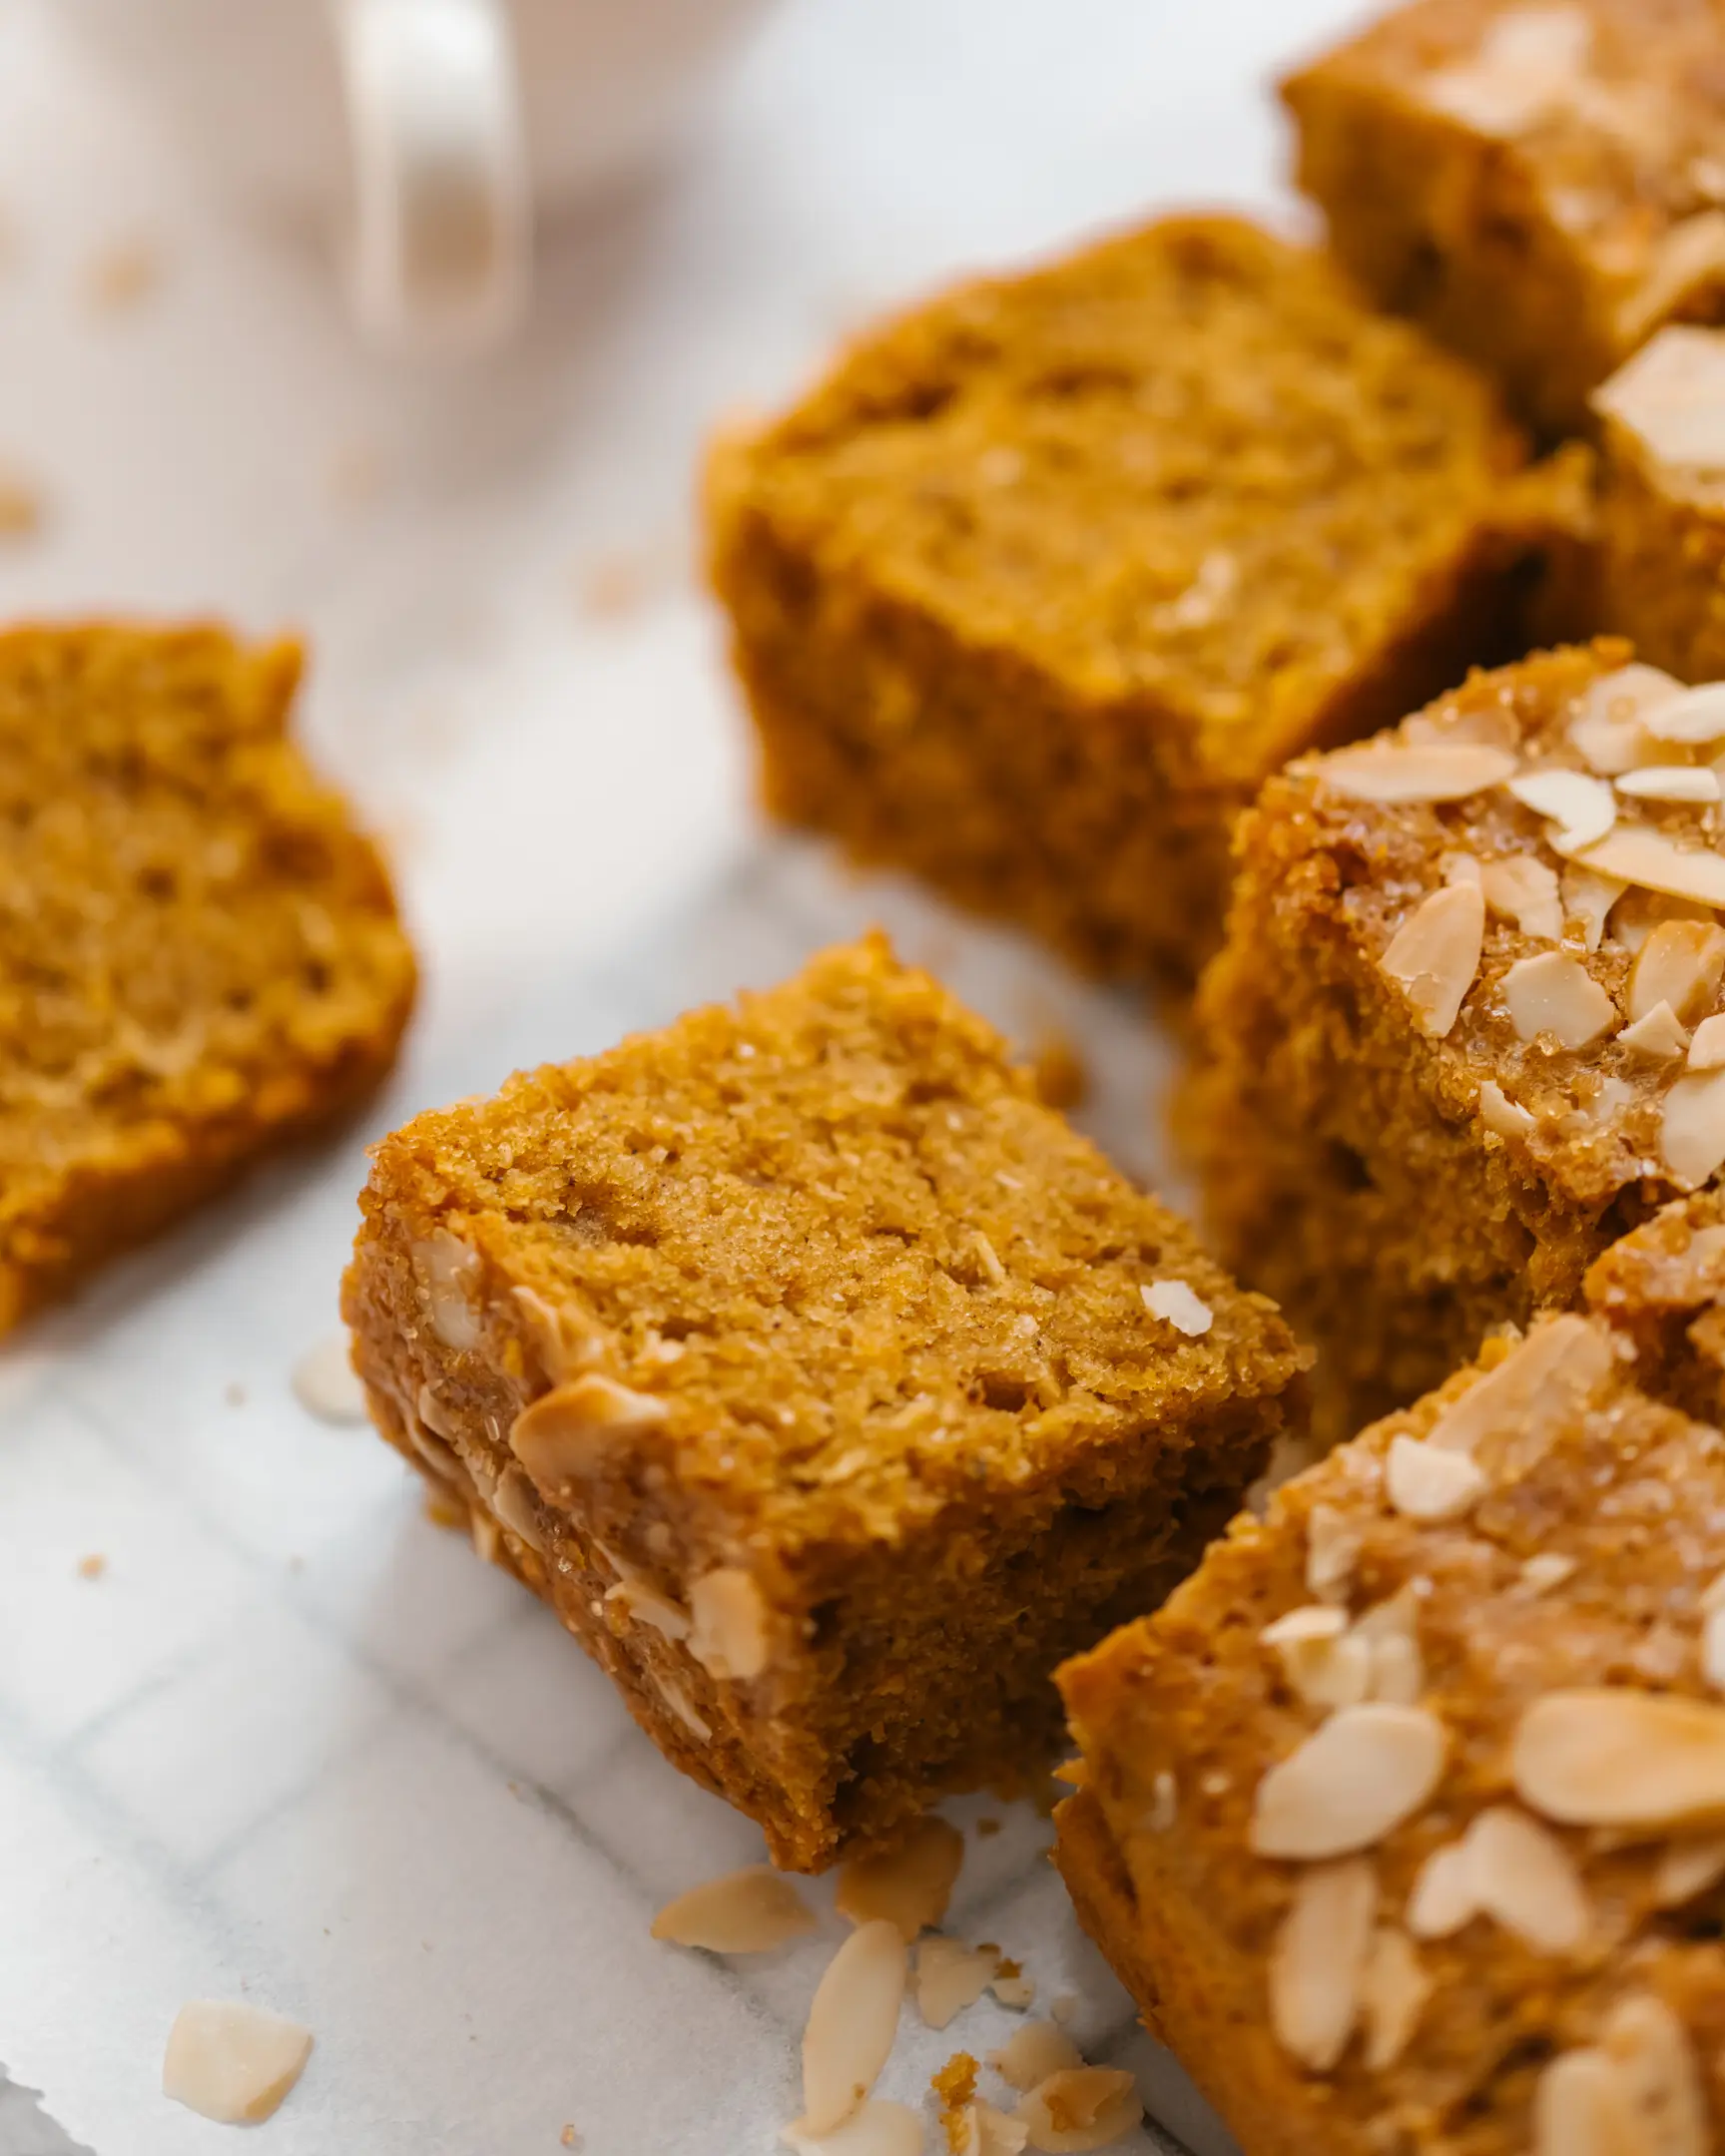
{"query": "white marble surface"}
[(295, 1743)]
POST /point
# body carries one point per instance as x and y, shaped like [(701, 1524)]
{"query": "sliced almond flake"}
[(1713, 1595), (1671, 394), (1323, 1666), (1318, 1961), (450, 1270), (1031, 2053), (1500, 1115), (1161, 1810), (1547, 1570), (1707, 1049), (1687, 1868), (1558, 1363), (1524, 891), (1713, 1649), (1431, 1482), (1614, 1757), (569, 1431), (1352, 1782), (1580, 2108), (563, 1342), (682, 1706), (1582, 809), (1461, 868), (1389, 1631), (980, 2130), (1394, 1988), (326, 1384), (512, 1501), (1671, 783), (951, 1976), (1639, 853), (1174, 1302), (1690, 255), (1657, 1036), (730, 1629), (1331, 1551), (875, 2128), (851, 2024), (1081, 2108), (1435, 955), (1694, 716), (1692, 1128), (1588, 899), (233, 2062), (648, 1606), (1552, 993), (747, 1911), (1606, 730), (1394, 771), (1659, 2076), (1012, 1987), (1525, 65), (910, 1886), (1522, 1875), (1442, 1899), (1681, 964)]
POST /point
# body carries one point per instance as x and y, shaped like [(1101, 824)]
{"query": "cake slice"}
[(1466, 1027), (1538, 181), (1402, 1818), (200, 956), (827, 1387), (1030, 594)]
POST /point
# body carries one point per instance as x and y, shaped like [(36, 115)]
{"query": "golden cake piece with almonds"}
[(200, 956), (1661, 550), (824, 1381), (1540, 182), (1401, 1820), (1034, 591), (1466, 1027)]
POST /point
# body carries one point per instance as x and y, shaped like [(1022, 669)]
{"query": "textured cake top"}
[(188, 924), (1186, 463), (827, 1253), (1531, 867), (1440, 1749), (1612, 109)]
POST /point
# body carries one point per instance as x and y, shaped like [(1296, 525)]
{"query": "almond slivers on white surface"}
[(232, 2063)]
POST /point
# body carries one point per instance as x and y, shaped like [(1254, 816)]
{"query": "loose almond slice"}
[(1318, 1961), (1522, 1875), (1416, 770), (1582, 809), (747, 1911), (1435, 955), (1321, 1664), (1707, 1049), (1671, 783), (910, 1886), (1351, 1783), (1394, 1988), (1693, 716), (1555, 994), (232, 2063), (1524, 891), (1431, 1482), (876, 2128), (1031, 2053), (951, 1976), (1613, 1757), (1692, 1128), (851, 2025), (1535, 1385), (1639, 853), (1681, 964), (1081, 2108), (1580, 2108), (1443, 1899), (1657, 1036), (1659, 2076), (326, 1384)]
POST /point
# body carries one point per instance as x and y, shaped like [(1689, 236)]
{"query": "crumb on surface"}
[(1061, 1074), (23, 506), (123, 274), (93, 1566)]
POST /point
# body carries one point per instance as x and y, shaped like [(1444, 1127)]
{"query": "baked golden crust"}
[(199, 957), (1538, 185), (1356, 1960), (1400, 1181), (1038, 584), (801, 1358)]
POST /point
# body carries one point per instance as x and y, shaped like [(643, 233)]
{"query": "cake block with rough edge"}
[(1467, 1029), (1047, 576), (825, 1382), (1661, 545), (1401, 1818), (200, 955), (1538, 181)]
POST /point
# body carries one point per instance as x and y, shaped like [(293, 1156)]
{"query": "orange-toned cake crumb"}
[(1036, 587), (1536, 181), (807, 1365), (200, 956)]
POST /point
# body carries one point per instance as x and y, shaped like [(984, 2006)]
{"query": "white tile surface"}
[(271, 1751)]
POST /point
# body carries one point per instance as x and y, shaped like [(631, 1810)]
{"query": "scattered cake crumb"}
[(325, 1383), (955, 2085), (23, 507), (1061, 1075), (123, 274), (570, 2137), (447, 1512), (910, 1885), (93, 1566)]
